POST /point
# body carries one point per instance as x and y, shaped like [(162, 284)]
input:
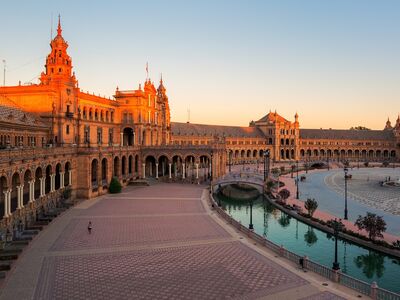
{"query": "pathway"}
[(157, 242)]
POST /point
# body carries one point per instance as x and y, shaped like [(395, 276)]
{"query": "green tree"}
[(284, 194), (371, 223), (284, 220), (311, 206), (115, 186), (269, 185)]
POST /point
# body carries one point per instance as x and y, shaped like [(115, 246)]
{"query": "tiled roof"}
[(339, 134), (14, 115), (273, 117), (187, 129)]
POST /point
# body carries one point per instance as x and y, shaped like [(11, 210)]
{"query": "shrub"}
[(284, 194), (115, 186), (372, 223), (396, 244)]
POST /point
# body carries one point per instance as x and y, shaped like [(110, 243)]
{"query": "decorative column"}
[(157, 170), (52, 183), (144, 170), (122, 139), (6, 193), (183, 171), (70, 177), (19, 200), (31, 191), (9, 202), (169, 170), (197, 171), (42, 185), (61, 180)]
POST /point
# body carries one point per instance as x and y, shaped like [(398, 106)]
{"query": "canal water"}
[(280, 228)]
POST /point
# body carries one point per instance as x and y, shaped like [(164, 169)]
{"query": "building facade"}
[(54, 135)]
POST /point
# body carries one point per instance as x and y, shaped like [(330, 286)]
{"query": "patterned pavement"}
[(156, 242)]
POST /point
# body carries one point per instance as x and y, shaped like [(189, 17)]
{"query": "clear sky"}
[(337, 63)]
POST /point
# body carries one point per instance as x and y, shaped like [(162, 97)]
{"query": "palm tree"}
[(311, 206)]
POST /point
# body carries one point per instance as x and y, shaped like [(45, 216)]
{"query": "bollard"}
[(374, 287), (282, 251), (335, 275), (305, 262)]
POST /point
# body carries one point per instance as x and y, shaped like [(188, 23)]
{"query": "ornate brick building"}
[(53, 135)]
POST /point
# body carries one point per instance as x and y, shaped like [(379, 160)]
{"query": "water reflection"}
[(302, 239), (310, 237), (371, 264)]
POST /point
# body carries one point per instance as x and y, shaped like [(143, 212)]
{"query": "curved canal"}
[(361, 263)]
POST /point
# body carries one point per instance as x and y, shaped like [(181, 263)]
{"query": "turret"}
[(388, 125), (58, 62)]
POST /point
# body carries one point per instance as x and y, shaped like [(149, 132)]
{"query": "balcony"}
[(69, 114)]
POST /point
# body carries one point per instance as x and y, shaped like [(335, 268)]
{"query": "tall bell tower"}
[(58, 63)]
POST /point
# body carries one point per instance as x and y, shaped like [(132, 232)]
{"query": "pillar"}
[(52, 183), (9, 203), (61, 180), (31, 191), (144, 170), (70, 177), (42, 186), (197, 171), (156, 170), (183, 171), (169, 170), (6, 193), (20, 189), (122, 139)]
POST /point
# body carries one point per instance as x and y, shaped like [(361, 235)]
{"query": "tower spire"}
[(59, 30)]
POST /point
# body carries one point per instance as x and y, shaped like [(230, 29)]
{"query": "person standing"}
[(89, 228)]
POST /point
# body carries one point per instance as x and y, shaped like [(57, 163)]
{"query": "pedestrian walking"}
[(89, 227)]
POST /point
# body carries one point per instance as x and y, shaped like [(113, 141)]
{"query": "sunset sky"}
[(337, 63)]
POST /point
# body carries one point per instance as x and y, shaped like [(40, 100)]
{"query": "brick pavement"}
[(155, 242)]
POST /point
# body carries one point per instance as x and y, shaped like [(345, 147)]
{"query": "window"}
[(59, 70), (67, 108), (87, 135), (110, 136), (99, 135), (67, 129)]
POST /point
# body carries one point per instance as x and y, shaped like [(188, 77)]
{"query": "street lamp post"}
[(266, 164), (297, 179), (345, 193), (327, 159), (251, 227), (337, 226)]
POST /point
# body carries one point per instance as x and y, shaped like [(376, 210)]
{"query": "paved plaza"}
[(365, 194), (157, 242)]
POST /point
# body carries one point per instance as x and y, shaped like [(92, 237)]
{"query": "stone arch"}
[(385, 153), (26, 190), (302, 153), (150, 166), (67, 168), (15, 182), (371, 153), (322, 152), (292, 154), (357, 153), (255, 153), (104, 169), (38, 176), (136, 163), (282, 154), (3, 188), (329, 153), (94, 172), (364, 153), (393, 153), (308, 152), (287, 154), (57, 184), (190, 161), (261, 153), (204, 170), (378, 153), (130, 165), (128, 136), (116, 166), (315, 153), (123, 165), (177, 165), (47, 185), (236, 153), (248, 153), (163, 165)]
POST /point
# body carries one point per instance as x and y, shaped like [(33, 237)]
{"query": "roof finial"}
[(59, 30), (161, 79)]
